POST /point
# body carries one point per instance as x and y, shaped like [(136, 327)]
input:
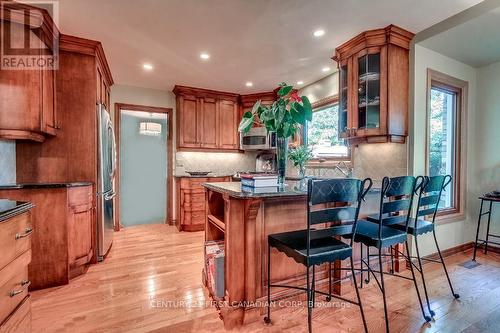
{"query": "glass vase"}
[(282, 158)]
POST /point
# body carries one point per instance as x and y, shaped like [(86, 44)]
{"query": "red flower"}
[(295, 97)]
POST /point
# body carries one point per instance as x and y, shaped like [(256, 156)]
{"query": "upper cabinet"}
[(373, 86), (28, 79), (206, 119)]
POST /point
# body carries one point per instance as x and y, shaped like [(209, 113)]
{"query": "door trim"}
[(170, 149)]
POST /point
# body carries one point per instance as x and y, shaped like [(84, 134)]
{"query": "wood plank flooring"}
[(151, 267)]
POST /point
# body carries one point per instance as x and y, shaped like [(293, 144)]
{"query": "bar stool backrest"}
[(323, 195), (429, 195), (396, 200)]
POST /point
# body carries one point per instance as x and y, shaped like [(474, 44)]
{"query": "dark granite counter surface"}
[(11, 208), (234, 189), (42, 185)]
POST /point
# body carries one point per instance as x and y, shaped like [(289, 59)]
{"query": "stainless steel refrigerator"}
[(105, 181)]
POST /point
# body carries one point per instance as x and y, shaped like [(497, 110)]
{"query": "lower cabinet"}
[(63, 239), (191, 208), (15, 304)]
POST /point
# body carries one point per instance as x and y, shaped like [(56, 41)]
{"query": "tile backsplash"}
[(7, 162), (217, 163)]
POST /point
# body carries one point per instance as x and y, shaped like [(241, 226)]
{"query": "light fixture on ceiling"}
[(325, 69), (319, 33), (147, 66), (249, 84), (204, 56), (300, 82)]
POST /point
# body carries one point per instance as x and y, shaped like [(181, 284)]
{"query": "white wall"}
[(461, 231)]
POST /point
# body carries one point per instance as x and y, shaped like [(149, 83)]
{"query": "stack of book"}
[(214, 267), (259, 183)]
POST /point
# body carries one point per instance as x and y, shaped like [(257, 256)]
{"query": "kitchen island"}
[(243, 220)]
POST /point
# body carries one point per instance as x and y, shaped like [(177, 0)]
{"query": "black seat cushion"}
[(322, 250), (422, 226), (367, 233)]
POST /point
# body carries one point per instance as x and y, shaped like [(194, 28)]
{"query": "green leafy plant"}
[(300, 156), (282, 117)]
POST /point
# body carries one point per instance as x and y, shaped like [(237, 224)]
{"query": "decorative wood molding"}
[(250, 99), (21, 135), (374, 38), (325, 101), (201, 92), (87, 47)]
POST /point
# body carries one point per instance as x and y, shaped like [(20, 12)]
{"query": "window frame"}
[(445, 82), (326, 161)]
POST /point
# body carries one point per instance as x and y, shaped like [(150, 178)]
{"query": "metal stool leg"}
[(426, 317), (267, 319), (392, 259), (477, 230), (488, 230), (309, 307), (367, 280), (362, 266), (357, 294), (383, 290), (457, 296), (313, 288), (329, 297), (432, 313)]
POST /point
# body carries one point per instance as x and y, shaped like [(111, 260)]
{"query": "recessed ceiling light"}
[(147, 67), (300, 82), (325, 69), (249, 84), (319, 33), (204, 56)]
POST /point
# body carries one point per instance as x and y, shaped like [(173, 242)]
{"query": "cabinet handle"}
[(27, 232), (24, 284)]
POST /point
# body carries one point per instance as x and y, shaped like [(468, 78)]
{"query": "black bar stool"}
[(396, 201), (315, 246), (429, 194), (485, 242)]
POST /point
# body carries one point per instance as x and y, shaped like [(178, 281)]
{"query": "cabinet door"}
[(344, 98), (228, 124), (208, 122), (80, 235), (49, 115), (369, 92), (188, 133)]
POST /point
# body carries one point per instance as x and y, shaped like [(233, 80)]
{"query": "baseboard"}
[(461, 248)]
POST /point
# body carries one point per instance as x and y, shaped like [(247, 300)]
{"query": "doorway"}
[(144, 149)]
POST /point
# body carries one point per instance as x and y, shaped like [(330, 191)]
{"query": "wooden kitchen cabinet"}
[(63, 241), (191, 208), (28, 108), (206, 119), (15, 237), (373, 86)]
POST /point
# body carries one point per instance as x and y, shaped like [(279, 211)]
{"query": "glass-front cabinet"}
[(373, 86)]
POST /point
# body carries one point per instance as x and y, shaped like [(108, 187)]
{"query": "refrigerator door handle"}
[(109, 195)]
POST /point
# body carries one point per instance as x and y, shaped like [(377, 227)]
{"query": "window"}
[(322, 134), (446, 97)]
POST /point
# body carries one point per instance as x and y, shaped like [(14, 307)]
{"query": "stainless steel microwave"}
[(258, 139)]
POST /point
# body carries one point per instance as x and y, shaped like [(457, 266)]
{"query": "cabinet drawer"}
[(79, 196), (15, 237), (14, 284), (20, 320)]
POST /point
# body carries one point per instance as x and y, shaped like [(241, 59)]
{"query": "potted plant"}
[(299, 157), (283, 117)]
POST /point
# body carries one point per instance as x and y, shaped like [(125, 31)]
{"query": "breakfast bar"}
[(243, 220)]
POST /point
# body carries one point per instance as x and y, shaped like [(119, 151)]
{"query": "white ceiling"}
[(475, 42), (263, 41)]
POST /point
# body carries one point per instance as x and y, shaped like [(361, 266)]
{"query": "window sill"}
[(450, 217), (327, 163)]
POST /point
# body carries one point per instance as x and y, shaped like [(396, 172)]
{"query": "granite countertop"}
[(11, 208), (292, 189), (210, 175), (42, 185)]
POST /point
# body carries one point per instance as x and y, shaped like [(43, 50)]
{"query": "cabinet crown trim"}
[(88, 47), (391, 34), (201, 92)]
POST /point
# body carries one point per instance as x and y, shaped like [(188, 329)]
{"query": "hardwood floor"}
[(150, 265)]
